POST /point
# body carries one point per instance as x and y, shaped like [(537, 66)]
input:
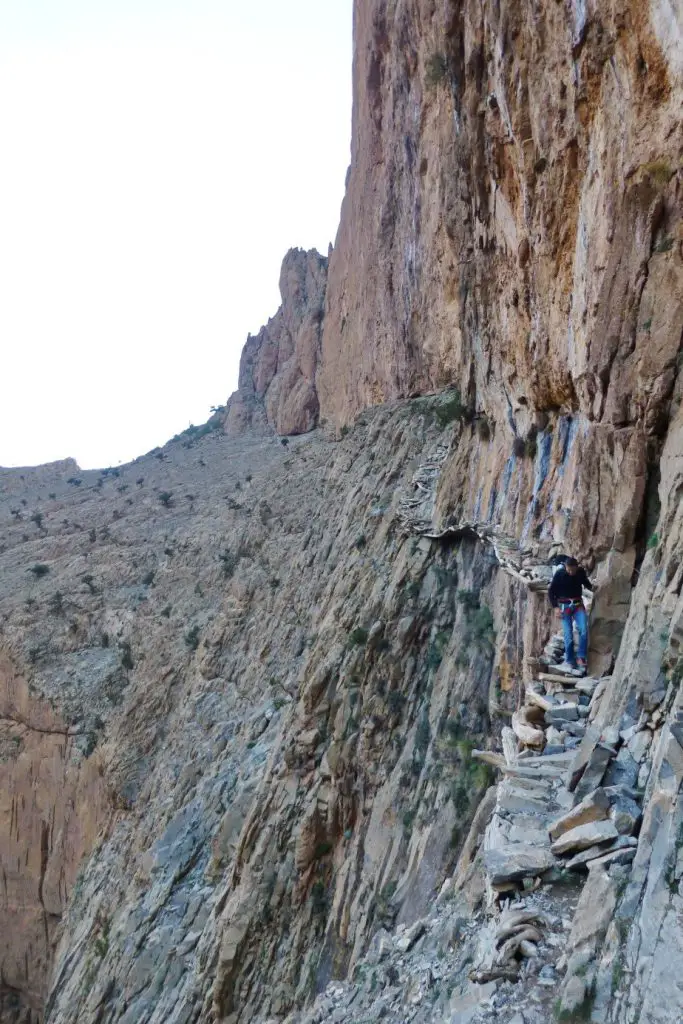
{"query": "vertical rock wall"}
[(52, 804), (276, 388)]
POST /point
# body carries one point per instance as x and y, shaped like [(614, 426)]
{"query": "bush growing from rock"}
[(192, 638), (39, 569), (127, 656), (436, 70)]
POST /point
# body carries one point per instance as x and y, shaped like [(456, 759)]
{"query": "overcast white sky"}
[(158, 158)]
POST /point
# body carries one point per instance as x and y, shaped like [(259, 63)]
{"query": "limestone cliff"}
[(243, 678), (276, 388)]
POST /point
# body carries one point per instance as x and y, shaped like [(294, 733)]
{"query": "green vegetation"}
[(37, 518), (74, 481), (653, 541), (617, 973), (57, 603), (531, 444), (484, 428), (481, 627), (148, 578), (166, 498), (358, 636), (665, 244), (422, 734), (583, 1013), (436, 649), (192, 434), (436, 70), (450, 409), (660, 171), (395, 702), (39, 570), (322, 850), (319, 898), (192, 638), (126, 656), (101, 943), (229, 562)]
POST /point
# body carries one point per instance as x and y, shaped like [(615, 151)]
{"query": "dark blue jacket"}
[(568, 588)]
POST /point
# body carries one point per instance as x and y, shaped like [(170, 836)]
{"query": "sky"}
[(158, 158)]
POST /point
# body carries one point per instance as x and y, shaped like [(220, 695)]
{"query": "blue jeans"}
[(577, 615)]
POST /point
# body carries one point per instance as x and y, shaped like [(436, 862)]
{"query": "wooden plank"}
[(539, 700), (489, 757), (558, 677), (509, 745)]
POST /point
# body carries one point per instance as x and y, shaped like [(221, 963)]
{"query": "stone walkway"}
[(564, 807)]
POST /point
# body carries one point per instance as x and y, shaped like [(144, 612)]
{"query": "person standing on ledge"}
[(565, 593)]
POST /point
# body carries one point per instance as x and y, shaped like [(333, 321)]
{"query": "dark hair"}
[(572, 563), (559, 559)]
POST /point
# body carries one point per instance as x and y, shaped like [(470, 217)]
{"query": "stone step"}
[(531, 771), (516, 861), (593, 853)]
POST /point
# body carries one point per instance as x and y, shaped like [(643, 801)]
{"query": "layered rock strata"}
[(269, 664)]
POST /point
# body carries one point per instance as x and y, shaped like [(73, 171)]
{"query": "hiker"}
[(565, 593)]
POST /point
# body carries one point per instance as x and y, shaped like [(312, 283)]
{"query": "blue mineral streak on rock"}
[(544, 444)]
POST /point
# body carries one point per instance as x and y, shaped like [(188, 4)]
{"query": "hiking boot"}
[(566, 667), (581, 668)]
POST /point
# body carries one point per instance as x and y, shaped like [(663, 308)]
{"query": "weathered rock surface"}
[(583, 836), (241, 698), (594, 807)]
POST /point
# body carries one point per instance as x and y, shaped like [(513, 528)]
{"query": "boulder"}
[(623, 856), (581, 860), (525, 731), (516, 861), (623, 771), (626, 815), (594, 807), (562, 713), (584, 836)]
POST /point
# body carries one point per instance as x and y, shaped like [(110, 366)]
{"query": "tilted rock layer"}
[(241, 679)]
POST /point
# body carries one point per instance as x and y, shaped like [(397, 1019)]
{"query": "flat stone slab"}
[(516, 801), (594, 852), (516, 861), (562, 713), (583, 836), (594, 807), (618, 857)]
